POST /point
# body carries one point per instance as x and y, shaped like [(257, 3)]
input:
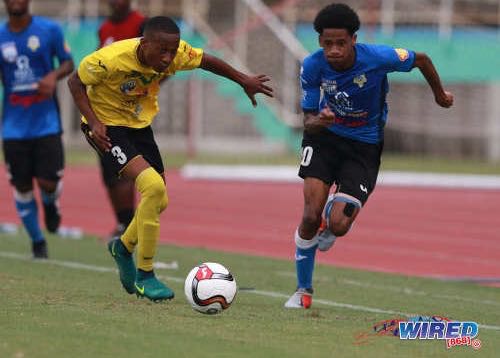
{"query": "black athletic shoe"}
[(40, 250), (52, 217)]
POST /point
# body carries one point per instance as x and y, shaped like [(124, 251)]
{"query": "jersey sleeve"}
[(93, 69), (311, 85), (396, 59), (187, 57), (60, 47)]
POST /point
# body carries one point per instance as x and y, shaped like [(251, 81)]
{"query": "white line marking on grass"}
[(69, 264), (88, 267), (400, 289)]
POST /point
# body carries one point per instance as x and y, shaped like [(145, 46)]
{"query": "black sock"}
[(125, 216)]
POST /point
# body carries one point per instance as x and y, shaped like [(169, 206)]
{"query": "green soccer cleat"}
[(147, 285), (125, 263)]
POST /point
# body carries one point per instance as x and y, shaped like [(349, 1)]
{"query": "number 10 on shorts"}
[(307, 153)]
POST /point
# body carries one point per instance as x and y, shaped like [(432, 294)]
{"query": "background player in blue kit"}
[(31, 126), (344, 102)]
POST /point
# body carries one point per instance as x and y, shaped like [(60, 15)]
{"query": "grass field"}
[(389, 161), (73, 306)]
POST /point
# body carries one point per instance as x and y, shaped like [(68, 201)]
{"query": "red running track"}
[(414, 231)]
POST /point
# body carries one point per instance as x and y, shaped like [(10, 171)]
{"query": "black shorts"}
[(34, 158), (126, 144), (352, 165), (109, 176)]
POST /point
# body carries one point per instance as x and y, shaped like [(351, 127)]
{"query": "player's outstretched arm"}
[(251, 84), (47, 85), (79, 92), (425, 65)]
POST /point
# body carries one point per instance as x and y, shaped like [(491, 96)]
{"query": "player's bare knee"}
[(48, 186), (340, 227), (343, 214)]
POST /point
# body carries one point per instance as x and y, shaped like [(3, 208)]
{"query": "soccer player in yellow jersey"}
[(115, 89)]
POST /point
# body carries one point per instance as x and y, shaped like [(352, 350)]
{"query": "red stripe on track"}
[(414, 231)]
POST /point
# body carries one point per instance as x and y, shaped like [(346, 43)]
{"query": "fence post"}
[(493, 127)]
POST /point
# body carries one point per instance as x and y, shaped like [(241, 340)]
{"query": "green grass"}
[(389, 161), (52, 310)]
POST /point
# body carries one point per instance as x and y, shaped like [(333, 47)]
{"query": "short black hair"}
[(161, 24), (337, 16)]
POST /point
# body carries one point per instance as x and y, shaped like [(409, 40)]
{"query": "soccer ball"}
[(210, 288)]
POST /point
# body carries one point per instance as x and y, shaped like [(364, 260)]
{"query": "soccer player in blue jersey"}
[(344, 88), (31, 126)]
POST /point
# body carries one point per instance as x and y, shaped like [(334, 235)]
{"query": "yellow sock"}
[(147, 216), (129, 237)]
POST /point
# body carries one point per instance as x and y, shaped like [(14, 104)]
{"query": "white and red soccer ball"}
[(210, 288)]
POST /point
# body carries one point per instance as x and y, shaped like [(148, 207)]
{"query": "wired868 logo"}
[(453, 332)]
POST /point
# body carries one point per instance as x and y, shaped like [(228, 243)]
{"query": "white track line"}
[(285, 173), (87, 267)]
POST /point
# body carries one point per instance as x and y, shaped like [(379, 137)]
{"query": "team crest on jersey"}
[(402, 54), (33, 43), (360, 80), (9, 51)]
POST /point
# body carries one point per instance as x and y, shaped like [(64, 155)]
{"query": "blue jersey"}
[(357, 95), (26, 57)]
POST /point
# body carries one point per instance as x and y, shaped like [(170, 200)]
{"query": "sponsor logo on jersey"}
[(402, 54), (25, 101), (128, 86), (9, 51), (329, 86)]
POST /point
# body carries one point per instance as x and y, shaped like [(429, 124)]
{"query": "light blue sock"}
[(28, 212), (305, 254)]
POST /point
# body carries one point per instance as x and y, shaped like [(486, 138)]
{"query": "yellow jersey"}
[(123, 92)]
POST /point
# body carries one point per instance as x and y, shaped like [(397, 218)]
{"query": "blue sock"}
[(28, 212), (305, 254)]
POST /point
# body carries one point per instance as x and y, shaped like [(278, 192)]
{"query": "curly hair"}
[(337, 16)]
